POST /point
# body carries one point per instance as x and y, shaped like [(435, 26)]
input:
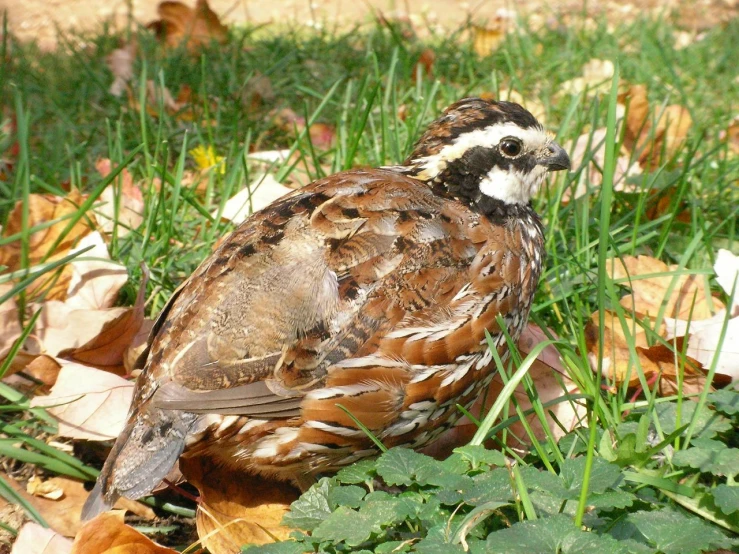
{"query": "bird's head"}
[(486, 153)]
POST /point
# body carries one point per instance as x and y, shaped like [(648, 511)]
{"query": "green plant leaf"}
[(553, 534), (670, 532), (476, 455), (725, 401), (726, 498), (708, 422), (603, 476), (359, 472), (398, 466), (312, 508), (709, 456)]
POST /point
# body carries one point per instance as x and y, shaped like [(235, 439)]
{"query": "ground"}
[(44, 19)]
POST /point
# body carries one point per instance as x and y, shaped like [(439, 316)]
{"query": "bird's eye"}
[(510, 147)]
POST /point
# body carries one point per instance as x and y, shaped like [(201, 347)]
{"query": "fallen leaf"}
[(44, 208), (653, 141), (236, 508), (658, 361), (684, 296), (590, 148), (321, 135), (12, 516), (120, 62), (487, 36), (705, 344), (108, 348), (596, 78), (425, 63), (34, 539), (731, 136), (45, 489), (727, 275), (257, 92), (88, 403), (179, 24), (263, 191), (122, 193), (94, 281), (107, 534)]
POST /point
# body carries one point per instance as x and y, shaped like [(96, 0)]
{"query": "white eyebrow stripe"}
[(533, 138)]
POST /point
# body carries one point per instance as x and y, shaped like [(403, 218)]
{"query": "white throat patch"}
[(512, 187)]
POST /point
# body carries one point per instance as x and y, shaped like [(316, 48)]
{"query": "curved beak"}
[(557, 159)]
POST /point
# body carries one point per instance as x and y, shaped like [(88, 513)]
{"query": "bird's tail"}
[(141, 457)]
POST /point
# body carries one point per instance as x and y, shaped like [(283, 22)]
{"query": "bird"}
[(358, 302)]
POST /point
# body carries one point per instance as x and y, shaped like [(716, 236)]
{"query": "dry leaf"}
[(657, 362), (107, 534), (690, 296), (425, 63), (88, 403), (263, 191), (43, 208), (596, 78), (727, 275), (107, 349), (653, 142), (44, 489), (120, 63), (130, 202), (487, 36), (34, 539), (321, 135), (94, 282), (592, 146), (731, 136), (236, 508), (180, 24)]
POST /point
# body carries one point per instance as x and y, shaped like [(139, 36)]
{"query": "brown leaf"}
[(120, 63), (34, 539), (236, 508), (45, 489), (107, 349), (592, 146), (489, 34), (425, 63), (685, 296), (43, 208), (653, 141), (88, 403), (596, 78), (107, 534), (180, 24), (657, 361), (94, 280)]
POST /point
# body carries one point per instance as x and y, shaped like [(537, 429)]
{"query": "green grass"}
[(358, 81)]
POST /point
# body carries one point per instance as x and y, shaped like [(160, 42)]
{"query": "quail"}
[(367, 293)]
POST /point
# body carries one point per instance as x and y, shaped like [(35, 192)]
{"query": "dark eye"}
[(510, 147)]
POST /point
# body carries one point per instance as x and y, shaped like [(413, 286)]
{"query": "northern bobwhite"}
[(370, 289)]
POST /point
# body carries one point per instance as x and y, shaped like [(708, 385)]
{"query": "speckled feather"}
[(369, 289)]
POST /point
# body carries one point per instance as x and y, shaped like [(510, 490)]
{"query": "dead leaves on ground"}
[(195, 27), (652, 137), (235, 508), (108, 534), (669, 329)]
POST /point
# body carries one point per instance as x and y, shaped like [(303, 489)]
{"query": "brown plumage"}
[(369, 289)]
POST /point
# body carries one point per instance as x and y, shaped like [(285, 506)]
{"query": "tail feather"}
[(142, 456)]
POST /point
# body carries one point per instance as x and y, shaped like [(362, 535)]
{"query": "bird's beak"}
[(557, 159)]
